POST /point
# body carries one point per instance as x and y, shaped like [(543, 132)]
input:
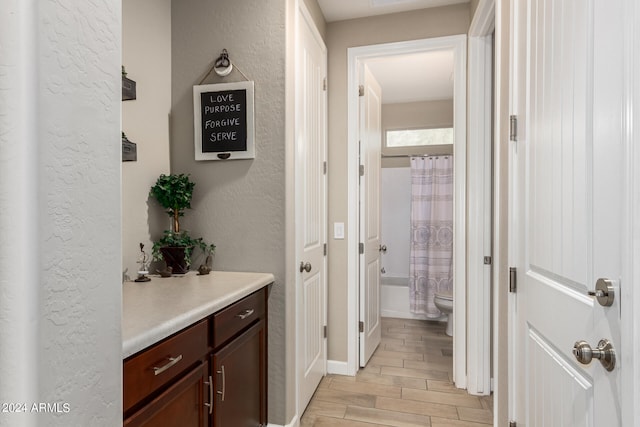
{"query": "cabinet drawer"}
[(158, 365), (236, 317), (181, 405)]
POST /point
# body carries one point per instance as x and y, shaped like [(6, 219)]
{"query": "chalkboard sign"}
[(223, 121)]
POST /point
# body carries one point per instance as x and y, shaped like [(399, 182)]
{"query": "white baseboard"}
[(405, 315), (336, 367), (295, 422)]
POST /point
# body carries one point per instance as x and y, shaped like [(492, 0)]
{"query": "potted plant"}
[(174, 193)]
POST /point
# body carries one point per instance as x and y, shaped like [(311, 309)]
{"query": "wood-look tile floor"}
[(407, 382)]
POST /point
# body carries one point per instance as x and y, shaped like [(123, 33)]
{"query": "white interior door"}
[(567, 184), (311, 208), (370, 151)]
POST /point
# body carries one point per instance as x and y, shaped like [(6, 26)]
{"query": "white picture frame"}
[(223, 121)]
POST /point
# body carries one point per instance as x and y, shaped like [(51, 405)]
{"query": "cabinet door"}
[(181, 405), (239, 378)]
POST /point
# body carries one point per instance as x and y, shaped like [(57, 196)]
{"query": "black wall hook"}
[(223, 59)]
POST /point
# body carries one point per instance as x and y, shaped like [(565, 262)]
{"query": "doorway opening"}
[(356, 58)]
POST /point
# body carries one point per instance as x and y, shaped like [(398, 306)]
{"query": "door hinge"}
[(361, 248), (361, 170), (324, 84), (487, 260), (325, 249), (512, 279), (512, 424), (324, 167), (361, 90), (324, 332), (361, 326), (513, 128)]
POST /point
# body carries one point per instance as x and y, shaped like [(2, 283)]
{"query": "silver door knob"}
[(604, 292), (305, 266), (383, 249), (604, 352)]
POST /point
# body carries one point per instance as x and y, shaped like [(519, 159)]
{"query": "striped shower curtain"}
[(431, 253)]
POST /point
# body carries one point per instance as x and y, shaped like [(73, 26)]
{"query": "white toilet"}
[(444, 302)]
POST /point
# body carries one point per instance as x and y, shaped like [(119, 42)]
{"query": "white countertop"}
[(151, 311)]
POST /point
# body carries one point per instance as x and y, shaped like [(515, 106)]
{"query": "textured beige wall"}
[(146, 54), (239, 204), (60, 222), (427, 23), (414, 115)]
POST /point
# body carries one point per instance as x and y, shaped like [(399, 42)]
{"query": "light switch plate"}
[(338, 230)]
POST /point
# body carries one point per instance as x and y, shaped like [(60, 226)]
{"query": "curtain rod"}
[(414, 155)]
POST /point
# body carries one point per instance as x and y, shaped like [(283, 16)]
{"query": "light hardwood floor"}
[(407, 382)]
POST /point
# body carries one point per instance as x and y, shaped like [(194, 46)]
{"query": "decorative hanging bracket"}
[(223, 67)]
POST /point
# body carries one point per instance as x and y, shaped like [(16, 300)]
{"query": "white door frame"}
[(356, 55), (630, 265), (479, 199)]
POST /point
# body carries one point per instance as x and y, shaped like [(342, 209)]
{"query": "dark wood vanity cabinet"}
[(240, 380), (222, 358), (179, 405)]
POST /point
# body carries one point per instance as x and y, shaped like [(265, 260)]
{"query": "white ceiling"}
[(338, 10), (416, 77), (406, 78)]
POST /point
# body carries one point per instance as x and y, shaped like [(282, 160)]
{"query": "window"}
[(419, 137)]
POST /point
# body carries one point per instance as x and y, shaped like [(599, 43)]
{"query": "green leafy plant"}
[(174, 193), (182, 239)]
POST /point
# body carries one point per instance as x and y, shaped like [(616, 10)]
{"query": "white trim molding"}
[(338, 368), (479, 218), (630, 312), (295, 422), (355, 56), (484, 19), (479, 276)]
